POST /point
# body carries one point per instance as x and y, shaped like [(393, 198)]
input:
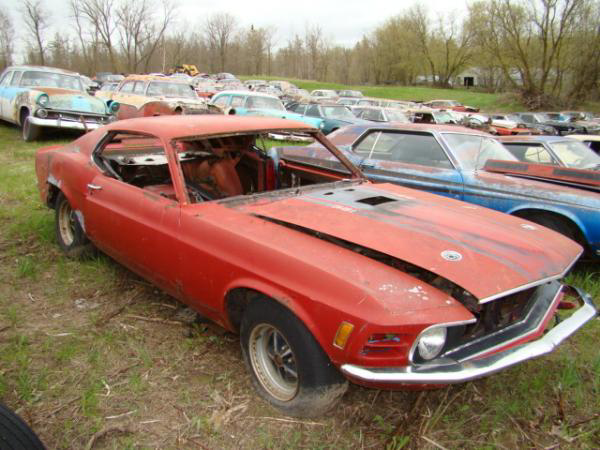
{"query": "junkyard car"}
[(500, 127), (380, 114), (313, 266), (555, 150), (448, 160), (324, 95), (43, 97), (561, 127), (150, 95), (450, 104), (536, 128), (257, 104), (333, 115)]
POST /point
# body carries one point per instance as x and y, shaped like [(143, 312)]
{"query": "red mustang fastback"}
[(326, 276)]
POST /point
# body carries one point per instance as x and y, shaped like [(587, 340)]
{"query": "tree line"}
[(548, 51)]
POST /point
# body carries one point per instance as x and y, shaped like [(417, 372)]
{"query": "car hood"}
[(70, 100), (484, 252)]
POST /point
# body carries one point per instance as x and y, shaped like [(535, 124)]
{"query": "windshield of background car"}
[(337, 112), (264, 103), (443, 117), (473, 151), (542, 117), (396, 116), (575, 154), (513, 117), (160, 88), (409, 148), (32, 78)]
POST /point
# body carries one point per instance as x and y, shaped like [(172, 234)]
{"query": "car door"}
[(11, 101), (415, 160), (136, 224), (4, 95)]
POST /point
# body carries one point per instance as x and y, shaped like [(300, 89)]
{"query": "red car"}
[(325, 276)]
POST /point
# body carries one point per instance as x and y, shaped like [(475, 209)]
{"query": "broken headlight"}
[(431, 342)]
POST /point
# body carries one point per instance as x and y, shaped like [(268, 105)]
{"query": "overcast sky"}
[(342, 22)]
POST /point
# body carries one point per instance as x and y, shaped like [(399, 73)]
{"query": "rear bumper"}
[(449, 371)]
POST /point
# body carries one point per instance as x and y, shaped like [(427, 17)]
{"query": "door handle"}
[(367, 165), (94, 187)]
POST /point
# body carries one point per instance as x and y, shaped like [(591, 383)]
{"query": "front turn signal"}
[(343, 334)]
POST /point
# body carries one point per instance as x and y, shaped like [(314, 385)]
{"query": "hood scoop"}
[(376, 200)]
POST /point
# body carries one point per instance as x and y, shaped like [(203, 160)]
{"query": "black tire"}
[(15, 434), (29, 131), (69, 233), (317, 386)]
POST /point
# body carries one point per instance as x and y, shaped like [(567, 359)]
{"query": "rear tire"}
[(15, 434), (69, 233), (289, 368)]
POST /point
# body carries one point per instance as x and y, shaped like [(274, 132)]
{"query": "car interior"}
[(212, 168)]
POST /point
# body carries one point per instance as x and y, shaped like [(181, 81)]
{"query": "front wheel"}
[(289, 368), (69, 233), (30, 131)]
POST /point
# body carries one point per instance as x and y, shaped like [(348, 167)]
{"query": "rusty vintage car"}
[(151, 95), (37, 98), (325, 276)]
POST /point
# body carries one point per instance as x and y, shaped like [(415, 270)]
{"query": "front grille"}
[(502, 321)]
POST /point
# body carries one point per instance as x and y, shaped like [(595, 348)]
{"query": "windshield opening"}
[(474, 151), (264, 103), (575, 154), (49, 79), (157, 89), (337, 112)]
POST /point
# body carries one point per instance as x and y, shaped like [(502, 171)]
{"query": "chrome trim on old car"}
[(447, 371)]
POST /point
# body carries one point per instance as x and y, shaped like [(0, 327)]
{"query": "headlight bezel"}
[(43, 100), (450, 328)]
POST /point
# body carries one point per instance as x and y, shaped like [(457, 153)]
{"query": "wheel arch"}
[(238, 297), (568, 219), (22, 111)]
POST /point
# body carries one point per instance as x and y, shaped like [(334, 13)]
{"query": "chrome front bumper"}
[(65, 123), (448, 372)]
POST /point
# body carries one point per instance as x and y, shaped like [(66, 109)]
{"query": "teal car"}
[(36, 98), (246, 103)]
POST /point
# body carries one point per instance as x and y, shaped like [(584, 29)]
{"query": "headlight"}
[(431, 342), (43, 100), (322, 124), (114, 107)]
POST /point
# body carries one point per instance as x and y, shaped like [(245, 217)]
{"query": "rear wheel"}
[(69, 232), (289, 368), (30, 131)]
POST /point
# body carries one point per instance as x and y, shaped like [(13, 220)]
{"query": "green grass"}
[(70, 371)]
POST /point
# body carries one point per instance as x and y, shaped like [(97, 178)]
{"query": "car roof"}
[(42, 68), (532, 138), (585, 137), (155, 78), (187, 126), (432, 128), (248, 93)]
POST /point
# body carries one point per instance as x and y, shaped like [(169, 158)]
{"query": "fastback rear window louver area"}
[(377, 200)]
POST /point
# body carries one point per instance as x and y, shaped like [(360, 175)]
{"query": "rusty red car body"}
[(354, 277)]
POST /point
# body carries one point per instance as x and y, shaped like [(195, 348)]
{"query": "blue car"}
[(449, 161), (334, 115), (246, 103)]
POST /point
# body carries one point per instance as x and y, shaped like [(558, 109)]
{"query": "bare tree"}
[(6, 40), (100, 14), (36, 20), (530, 41), (219, 30), (141, 31)]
